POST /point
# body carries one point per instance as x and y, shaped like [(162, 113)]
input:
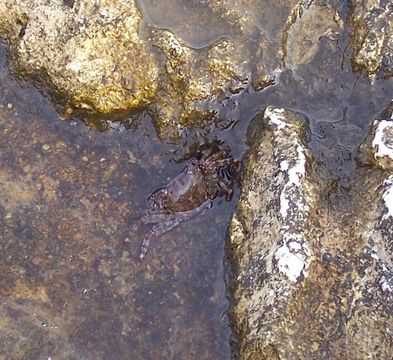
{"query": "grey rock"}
[(314, 261)]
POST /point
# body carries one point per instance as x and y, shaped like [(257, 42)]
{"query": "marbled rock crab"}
[(207, 175)]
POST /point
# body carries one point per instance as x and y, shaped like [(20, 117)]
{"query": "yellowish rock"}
[(90, 54), (372, 37)]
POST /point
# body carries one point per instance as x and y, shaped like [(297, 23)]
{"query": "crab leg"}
[(170, 223), (157, 230), (148, 218)]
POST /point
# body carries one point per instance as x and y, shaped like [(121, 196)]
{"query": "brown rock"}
[(372, 37)]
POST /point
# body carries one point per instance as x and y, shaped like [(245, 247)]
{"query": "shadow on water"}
[(71, 288)]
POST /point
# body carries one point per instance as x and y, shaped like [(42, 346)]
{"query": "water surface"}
[(71, 287)]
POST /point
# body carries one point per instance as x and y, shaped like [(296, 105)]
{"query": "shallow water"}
[(71, 287)]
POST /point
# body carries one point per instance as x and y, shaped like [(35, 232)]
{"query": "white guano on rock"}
[(381, 146), (293, 257), (387, 197)]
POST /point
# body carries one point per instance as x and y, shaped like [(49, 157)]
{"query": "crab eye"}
[(225, 175)]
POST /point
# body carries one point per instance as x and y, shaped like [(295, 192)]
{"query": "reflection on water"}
[(195, 24), (338, 103), (199, 23), (71, 288)]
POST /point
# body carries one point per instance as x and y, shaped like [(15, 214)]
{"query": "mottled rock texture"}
[(372, 37), (314, 264), (103, 59), (89, 53), (98, 60), (377, 149)]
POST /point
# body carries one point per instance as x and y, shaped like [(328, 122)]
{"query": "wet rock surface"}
[(371, 38), (89, 53), (311, 238), (101, 60), (313, 259), (108, 59), (192, 79)]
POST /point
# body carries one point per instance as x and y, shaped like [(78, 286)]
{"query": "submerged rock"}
[(372, 37), (313, 260), (309, 23), (193, 77), (71, 287)]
